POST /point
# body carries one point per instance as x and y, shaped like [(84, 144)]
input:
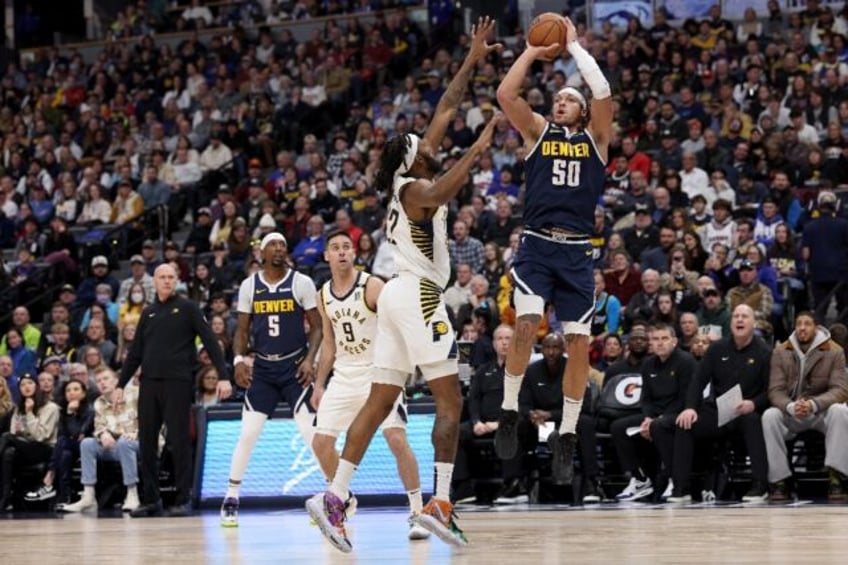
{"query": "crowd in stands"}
[(725, 182)]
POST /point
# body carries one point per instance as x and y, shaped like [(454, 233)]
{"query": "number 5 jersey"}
[(277, 312)]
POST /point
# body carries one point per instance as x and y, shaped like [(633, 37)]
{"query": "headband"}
[(570, 90), (274, 236), (411, 151)]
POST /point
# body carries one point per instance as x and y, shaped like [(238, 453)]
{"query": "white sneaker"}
[(131, 501), (416, 531), (81, 505), (668, 490), (679, 499), (635, 490)]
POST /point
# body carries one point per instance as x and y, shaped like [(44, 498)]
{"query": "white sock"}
[(444, 473), (88, 492), (570, 415), (341, 482), (512, 386), (415, 501), (251, 427), (233, 489)]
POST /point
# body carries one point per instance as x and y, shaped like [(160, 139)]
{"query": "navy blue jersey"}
[(565, 180), (277, 312)]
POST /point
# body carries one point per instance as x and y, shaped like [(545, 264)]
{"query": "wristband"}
[(238, 359)]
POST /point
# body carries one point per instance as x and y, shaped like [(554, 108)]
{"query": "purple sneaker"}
[(328, 512)]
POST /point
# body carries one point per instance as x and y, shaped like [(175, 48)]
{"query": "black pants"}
[(750, 427), (16, 451), (588, 443), (65, 454), (820, 290), (168, 402), (627, 447)]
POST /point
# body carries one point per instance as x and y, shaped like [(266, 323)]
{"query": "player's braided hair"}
[(390, 160)]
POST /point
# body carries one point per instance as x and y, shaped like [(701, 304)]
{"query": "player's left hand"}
[(479, 32), (224, 389), (305, 372)]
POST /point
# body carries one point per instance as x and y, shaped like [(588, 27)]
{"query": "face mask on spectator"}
[(137, 297), (103, 298)]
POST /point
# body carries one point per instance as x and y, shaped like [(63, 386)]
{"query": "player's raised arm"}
[(528, 123), (600, 123), (448, 104), (426, 194)]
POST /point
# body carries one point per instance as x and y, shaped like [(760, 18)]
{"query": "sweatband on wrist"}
[(590, 71)]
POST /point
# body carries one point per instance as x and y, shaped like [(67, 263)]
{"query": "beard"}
[(807, 341)]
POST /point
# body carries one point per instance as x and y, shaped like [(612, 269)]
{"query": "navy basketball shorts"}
[(274, 382), (561, 273)]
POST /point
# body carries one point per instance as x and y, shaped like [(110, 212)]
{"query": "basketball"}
[(547, 29)]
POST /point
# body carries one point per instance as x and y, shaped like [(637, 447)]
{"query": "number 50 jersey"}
[(565, 179), (277, 311)]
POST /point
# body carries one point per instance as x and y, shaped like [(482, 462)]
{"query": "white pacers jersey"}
[(354, 327), (420, 249)]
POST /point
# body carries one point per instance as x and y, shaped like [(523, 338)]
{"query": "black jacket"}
[(542, 390), (724, 366), (164, 346), (72, 426), (486, 394), (665, 384)]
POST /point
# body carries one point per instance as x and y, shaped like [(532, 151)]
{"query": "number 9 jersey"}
[(565, 179), (277, 311), (354, 324)]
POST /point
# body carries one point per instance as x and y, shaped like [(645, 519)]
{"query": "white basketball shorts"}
[(344, 398), (413, 330)]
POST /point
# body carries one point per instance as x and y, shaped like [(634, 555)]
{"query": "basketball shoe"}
[(439, 518), (229, 512), (328, 512)]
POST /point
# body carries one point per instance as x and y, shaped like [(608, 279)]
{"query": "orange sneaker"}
[(439, 518)]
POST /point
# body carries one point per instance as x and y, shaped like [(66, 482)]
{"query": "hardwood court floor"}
[(803, 533)]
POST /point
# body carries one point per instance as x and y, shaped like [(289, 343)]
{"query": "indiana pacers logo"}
[(350, 321), (629, 390), (439, 329)]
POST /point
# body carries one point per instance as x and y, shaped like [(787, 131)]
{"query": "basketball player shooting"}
[(565, 163), (413, 328)]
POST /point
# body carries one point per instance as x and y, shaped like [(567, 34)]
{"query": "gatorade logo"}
[(628, 391)]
